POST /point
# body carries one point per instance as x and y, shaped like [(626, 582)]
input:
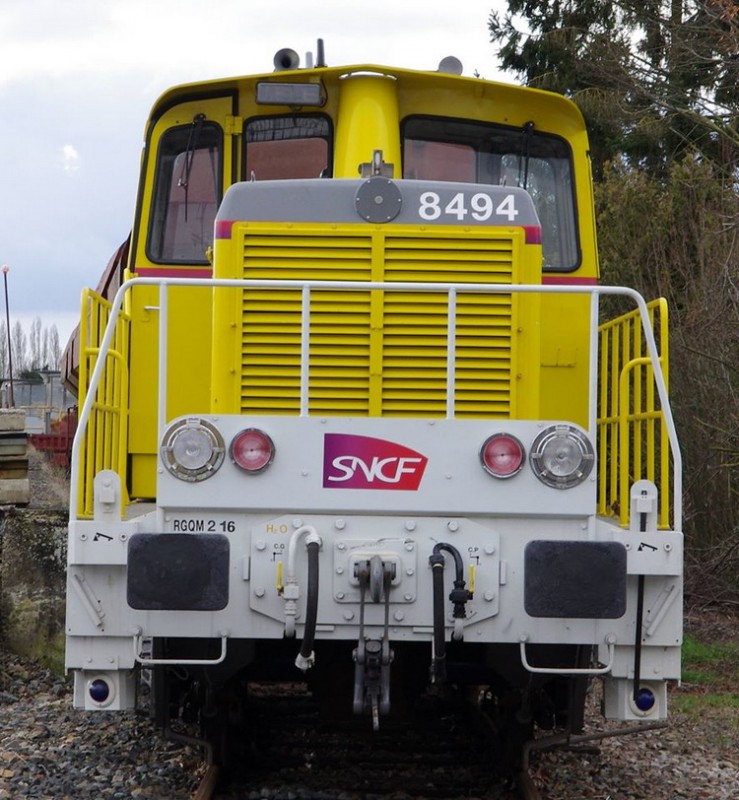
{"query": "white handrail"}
[(451, 289)]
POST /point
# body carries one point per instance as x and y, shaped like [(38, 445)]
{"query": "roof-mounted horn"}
[(286, 59)]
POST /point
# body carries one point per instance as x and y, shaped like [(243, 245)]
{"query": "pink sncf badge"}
[(363, 462)]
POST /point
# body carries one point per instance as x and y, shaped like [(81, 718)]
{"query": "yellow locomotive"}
[(353, 350)]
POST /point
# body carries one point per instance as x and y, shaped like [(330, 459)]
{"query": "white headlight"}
[(561, 456), (192, 449)]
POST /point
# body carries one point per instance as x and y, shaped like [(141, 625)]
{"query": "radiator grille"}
[(377, 353)]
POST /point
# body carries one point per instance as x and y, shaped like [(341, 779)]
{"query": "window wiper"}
[(193, 140), (525, 154)]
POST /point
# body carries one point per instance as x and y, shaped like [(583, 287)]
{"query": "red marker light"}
[(502, 455), (252, 450)]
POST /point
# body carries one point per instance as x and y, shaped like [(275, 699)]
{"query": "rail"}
[(105, 400), (632, 430), (101, 442)]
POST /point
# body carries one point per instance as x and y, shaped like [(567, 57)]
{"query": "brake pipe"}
[(306, 657), (438, 656), (291, 590), (459, 597)]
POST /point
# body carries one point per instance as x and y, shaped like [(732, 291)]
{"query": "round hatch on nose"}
[(378, 200)]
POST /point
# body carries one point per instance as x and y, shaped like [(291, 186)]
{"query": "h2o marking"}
[(364, 462), (479, 206)]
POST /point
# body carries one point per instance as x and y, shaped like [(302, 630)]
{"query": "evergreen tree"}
[(658, 84), (656, 79)]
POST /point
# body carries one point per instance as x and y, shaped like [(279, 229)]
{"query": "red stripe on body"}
[(173, 272), (568, 280), (533, 234), (223, 228)]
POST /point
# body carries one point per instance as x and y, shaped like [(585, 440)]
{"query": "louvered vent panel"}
[(415, 350), (376, 353), (340, 337)]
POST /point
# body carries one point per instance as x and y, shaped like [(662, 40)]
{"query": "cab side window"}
[(281, 148), (187, 191)]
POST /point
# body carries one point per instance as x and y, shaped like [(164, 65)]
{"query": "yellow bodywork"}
[(188, 352), (372, 353)]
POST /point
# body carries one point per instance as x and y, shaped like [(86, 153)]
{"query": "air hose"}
[(291, 593), (459, 596), (306, 656), (438, 663)]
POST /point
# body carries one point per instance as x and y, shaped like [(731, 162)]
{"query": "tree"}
[(40, 349), (656, 79), (35, 343), (19, 344), (51, 350), (687, 254), (3, 349), (658, 84)]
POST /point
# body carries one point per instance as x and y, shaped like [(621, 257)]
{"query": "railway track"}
[(446, 750)]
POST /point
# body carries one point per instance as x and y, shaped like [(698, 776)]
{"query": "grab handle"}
[(156, 662), (610, 642)]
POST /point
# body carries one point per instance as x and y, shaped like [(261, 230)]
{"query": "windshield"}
[(442, 149), (281, 148)]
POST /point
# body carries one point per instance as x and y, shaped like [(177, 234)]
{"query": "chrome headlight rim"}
[(572, 449), (203, 435)]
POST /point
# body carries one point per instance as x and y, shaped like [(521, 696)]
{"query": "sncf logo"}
[(362, 462)]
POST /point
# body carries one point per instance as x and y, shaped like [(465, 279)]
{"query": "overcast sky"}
[(77, 80)]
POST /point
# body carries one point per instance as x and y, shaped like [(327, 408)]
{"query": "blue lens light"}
[(99, 690), (644, 699)]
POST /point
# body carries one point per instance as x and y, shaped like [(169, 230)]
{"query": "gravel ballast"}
[(53, 752)]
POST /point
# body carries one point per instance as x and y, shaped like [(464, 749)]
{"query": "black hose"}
[(454, 553), (639, 618), (438, 666), (459, 595), (638, 635), (311, 610)]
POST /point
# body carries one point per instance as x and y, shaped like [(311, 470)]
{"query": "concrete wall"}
[(33, 556)]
